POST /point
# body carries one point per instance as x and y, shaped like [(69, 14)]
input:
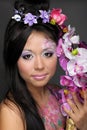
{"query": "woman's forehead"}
[(37, 39)]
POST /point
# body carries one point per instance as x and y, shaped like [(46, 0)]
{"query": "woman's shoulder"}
[(10, 116), (10, 106)]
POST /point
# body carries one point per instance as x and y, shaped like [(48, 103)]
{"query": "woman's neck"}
[(40, 94)]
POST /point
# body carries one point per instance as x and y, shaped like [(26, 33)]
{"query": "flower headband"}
[(53, 16)]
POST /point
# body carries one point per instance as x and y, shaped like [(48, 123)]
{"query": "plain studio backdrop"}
[(76, 11)]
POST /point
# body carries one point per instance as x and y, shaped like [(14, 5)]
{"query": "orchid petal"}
[(75, 39)]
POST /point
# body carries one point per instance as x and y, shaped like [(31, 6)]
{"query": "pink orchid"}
[(63, 100), (66, 105), (66, 81), (57, 16), (63, 62)]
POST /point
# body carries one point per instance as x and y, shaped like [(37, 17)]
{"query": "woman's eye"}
[(48, 54), (27, 57)]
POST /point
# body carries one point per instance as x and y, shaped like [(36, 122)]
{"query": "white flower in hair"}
[(17, 17)]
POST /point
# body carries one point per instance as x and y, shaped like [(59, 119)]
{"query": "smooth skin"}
[(37, 65), (10, 118)]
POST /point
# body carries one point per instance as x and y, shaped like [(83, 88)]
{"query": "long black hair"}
[(15, 39)]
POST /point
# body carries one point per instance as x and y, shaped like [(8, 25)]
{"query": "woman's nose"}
[(39, 63)]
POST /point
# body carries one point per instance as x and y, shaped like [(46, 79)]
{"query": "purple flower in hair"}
[(44, 15), (30, 19)]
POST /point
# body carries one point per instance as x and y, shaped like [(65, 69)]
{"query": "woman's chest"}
[(51, 115)]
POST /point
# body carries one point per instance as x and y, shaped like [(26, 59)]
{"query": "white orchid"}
[(69, 37), (78, 64), (76, 55)]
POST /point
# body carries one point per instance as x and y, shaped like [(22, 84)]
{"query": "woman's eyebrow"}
[(27, 50)]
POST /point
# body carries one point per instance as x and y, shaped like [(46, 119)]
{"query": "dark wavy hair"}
[(15, 39)]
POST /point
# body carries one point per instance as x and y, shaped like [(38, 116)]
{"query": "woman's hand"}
[(78, 111)]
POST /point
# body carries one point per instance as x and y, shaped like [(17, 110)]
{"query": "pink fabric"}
[(51, 115)]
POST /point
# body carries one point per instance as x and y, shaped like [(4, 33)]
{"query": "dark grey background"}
[(76, 11)]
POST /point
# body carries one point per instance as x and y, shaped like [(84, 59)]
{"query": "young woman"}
[(30, 59)]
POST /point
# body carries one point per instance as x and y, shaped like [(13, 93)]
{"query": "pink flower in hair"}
[(57, 17)]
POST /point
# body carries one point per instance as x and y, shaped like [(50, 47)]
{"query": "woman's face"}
[(37, 63)]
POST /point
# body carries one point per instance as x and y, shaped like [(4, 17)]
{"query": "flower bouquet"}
[(72, 55)]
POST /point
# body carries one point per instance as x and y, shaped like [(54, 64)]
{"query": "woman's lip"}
[(39, 77)]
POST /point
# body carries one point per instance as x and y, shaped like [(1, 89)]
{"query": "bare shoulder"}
[(10, 117)]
